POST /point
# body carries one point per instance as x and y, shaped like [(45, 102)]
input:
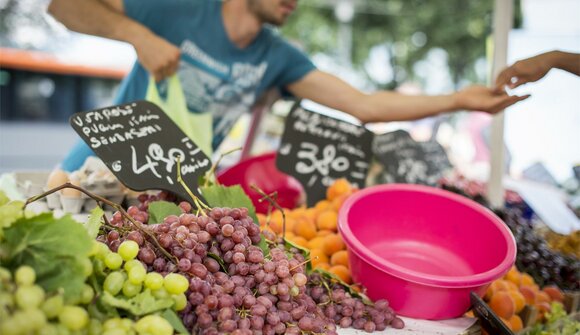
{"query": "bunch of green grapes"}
[(25, 308), (128, 277)]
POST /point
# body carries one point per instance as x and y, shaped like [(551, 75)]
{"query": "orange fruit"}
[(514, 276), (339, 187), (339, 258), (332, 243), (316, 243), (324, 232), (527, 280), (519, 300), (327, 220), (317, 256), (322, 205), (338, 201), (502, 304), (305, 229), (516, 323), (298, 240), (341, 272), (554, 293)]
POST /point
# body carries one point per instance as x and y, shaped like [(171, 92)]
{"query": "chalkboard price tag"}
[(490, 322), (140, 144), (318, 149), (408, 161)]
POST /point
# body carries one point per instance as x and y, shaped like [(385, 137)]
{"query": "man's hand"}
[(157, 55), (525, 71), (481, 98)]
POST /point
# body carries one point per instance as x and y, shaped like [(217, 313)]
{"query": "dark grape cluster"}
[(535, 257), (238, 287)]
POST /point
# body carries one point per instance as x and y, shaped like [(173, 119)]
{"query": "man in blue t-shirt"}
[(226, 56)]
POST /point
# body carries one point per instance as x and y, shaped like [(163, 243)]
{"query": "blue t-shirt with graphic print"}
[(216, 75)]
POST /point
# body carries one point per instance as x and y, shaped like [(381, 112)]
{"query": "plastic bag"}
[(198, 127)]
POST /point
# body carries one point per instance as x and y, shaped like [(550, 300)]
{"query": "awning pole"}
[(502, 24)]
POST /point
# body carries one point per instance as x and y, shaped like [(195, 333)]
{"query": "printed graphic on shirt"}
[(225, 90)]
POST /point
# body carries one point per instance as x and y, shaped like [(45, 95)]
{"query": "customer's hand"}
[(525, 71), (481, 98), (157, 56)]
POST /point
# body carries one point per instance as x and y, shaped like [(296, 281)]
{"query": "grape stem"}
[(211, 171), (274, 203), (100, 200), (196, 201)]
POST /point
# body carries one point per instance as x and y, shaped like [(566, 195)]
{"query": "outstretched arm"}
[(106, 18), (534, 68), (326, 89)]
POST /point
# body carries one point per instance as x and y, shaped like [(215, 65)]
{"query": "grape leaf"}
[(305, 252), (159, 210), (141, 304), (348, 288), (94, 222), (10, 212), (219, 260), (53, 247), (229, 196), (3, 199), (174, 321)]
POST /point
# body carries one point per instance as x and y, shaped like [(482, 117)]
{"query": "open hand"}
[(157, 56), (481, 98), (524, 71)]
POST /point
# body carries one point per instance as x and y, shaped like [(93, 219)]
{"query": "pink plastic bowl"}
[(423, 249), (262, 172)]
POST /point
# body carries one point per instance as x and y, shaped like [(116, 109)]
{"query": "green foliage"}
[(229, 196), (94, 222), (158, 210), (142, 304), (460, 27), (55, 248)]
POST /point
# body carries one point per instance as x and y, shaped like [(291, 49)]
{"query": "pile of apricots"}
[(316, 229)]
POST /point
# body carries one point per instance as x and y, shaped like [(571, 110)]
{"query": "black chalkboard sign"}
[(140, 144), (318, 149), (490, 322), (408, 161)]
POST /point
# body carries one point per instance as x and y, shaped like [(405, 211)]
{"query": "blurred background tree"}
[(407, 29)]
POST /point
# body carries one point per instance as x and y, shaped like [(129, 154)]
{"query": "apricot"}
[(317, 256), (529, 294), (519, 300), (554, 293), (339, 187), (341, 272), (514, 276), (527, 280), (543, 297), (516, 323), (327, 220), (339, 258), (316, 243), (332, 243), (305, 229), (502, 304)]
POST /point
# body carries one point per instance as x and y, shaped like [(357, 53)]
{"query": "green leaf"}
[(94, 223), (53, 247), (159, 210), (174, 321), (229, 196), (219, 260), (305, 252), (3, 199), (335, 279), (141, 304), (10, 212)]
